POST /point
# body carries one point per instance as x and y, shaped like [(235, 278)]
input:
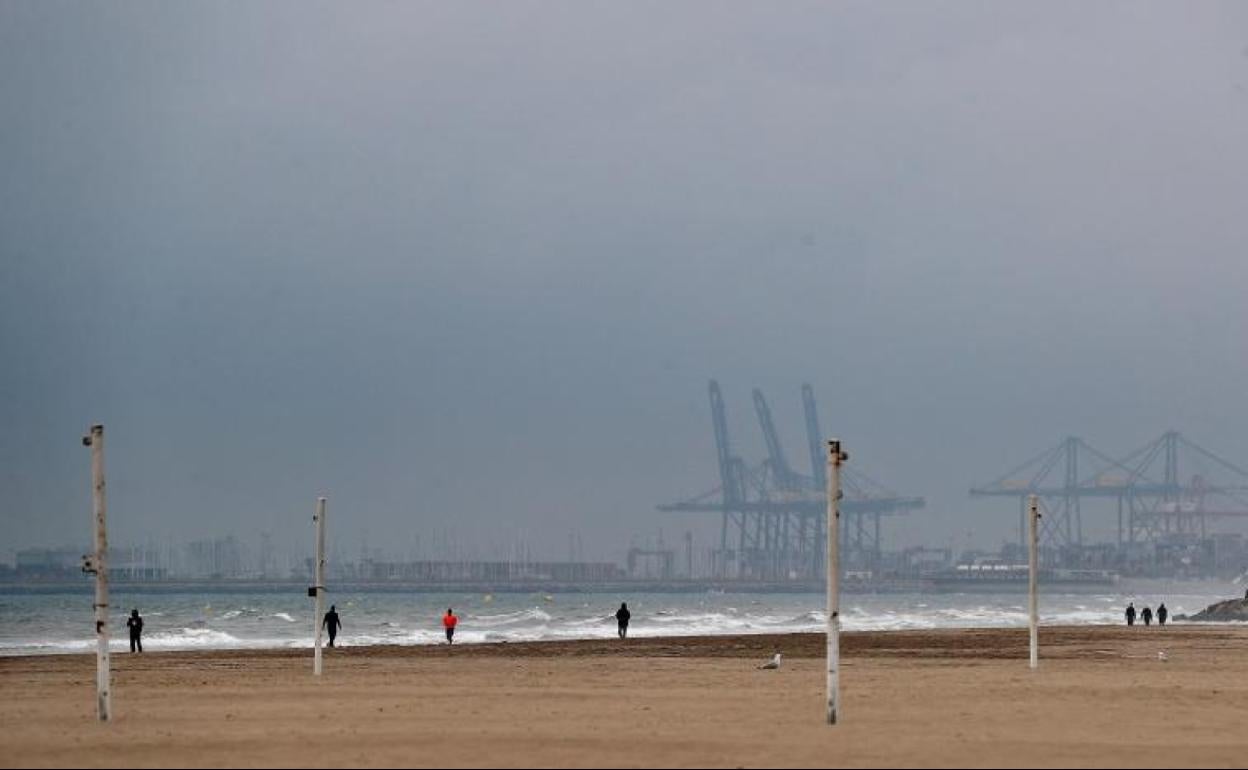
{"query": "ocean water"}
[(42, 623)]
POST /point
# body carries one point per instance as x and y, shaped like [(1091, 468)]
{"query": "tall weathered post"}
[(835, 458), (97, 564), (1033, 609), (318, 589)]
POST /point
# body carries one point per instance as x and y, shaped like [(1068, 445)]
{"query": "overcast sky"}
[(469, 266)]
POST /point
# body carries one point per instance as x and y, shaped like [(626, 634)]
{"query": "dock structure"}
[(773, 518), (1170, 487)]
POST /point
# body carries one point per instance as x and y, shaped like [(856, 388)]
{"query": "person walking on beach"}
[(332, 623), (1131, 614), (135, 624), (449, 621), (1162, 614), (1147, 614), (621, 617)]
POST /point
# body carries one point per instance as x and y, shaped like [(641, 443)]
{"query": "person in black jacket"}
[(135, 624), (332, 623), (621, 616)]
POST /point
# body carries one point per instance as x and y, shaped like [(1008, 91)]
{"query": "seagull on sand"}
[(773, 663)]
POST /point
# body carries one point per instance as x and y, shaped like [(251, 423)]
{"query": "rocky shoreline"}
[(1229, 610)]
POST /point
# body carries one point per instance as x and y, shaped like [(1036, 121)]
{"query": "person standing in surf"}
[(449, 621), (135, 624), (622, 616), (332, 623)]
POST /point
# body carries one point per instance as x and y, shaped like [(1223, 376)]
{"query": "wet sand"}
[(1102, 698)]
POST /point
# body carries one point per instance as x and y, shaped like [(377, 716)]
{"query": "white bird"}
[(774, 663), (1161, 655)]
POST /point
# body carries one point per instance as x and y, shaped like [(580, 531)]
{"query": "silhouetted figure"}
[(621, 616), (449, 621), (1131, 614), (1162, 614), (332, 623), (1147, 614), (135, 624)]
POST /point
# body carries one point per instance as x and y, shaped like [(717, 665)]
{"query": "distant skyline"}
[(468, 267)]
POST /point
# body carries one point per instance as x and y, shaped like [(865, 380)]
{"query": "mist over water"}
[(466, 268), (61, 623)]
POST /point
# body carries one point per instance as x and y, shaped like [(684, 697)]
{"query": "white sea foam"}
[(180, 639), (52, 624), (190, 639), (534, 615)]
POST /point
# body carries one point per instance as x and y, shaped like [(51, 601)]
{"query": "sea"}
[(37, 622)]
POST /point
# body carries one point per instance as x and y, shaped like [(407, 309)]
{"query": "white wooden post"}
[(835, 458), (319, 587), (1032, 598), (98, 565)]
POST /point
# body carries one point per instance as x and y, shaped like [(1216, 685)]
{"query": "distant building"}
[(48, 563), (136, 563), (221, 558), (501, 572)]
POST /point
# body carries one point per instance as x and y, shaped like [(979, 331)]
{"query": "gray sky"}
[(469, 266)]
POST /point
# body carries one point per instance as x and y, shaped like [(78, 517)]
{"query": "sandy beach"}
[(1102, 698)]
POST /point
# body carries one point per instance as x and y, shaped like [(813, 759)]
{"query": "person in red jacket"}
[(449, 621)]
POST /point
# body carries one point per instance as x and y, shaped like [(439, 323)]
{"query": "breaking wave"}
[(51, 624)]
